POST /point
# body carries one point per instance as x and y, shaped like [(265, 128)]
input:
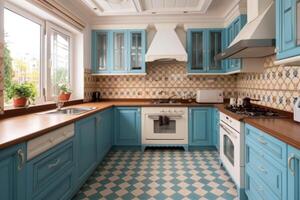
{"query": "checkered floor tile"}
[(159, 174)]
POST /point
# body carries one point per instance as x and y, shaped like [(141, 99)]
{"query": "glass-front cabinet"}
[(287, 28), (118, 51), (137, 51), (203, 45), (215, 47)]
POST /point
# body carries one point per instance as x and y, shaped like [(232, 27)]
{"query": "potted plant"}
[(22, 94), (64, 92)]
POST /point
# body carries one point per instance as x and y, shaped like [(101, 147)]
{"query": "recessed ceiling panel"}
[(123, 7)]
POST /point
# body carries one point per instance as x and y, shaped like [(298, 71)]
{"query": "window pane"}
[(22, 50), (60, 58), (119, 52)]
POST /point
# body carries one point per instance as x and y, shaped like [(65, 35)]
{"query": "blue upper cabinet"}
[(231, 32), (202, 46), (200, 127), (137, 51), (293, 173), (118, 51), (287, 30), (13, 173), (127, 125)]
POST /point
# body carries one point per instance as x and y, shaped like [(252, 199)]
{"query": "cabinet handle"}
[(291, 157), (54, 164), (21, 159), (260, 140)]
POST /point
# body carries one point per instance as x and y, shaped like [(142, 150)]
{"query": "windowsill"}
[(11, 111)]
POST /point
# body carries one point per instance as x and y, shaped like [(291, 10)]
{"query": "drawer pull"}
[(21, 157), (262, 169), (260, 140), (291, 157), (50, 166)]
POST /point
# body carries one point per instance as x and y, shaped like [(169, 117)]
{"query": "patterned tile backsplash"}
[(277, 86), (163, 79)]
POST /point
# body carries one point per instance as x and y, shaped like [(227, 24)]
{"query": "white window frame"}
[(49, 29), (40, 22), (45, 51)]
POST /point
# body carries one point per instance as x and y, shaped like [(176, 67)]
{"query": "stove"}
[(253, 111)]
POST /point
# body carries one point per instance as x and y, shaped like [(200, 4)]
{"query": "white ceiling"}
[(146, 7)]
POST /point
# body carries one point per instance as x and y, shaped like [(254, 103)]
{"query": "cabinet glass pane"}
[(119, 52), (197, 51), (136, 51), (215, 48), (297, 22), (102, 51)]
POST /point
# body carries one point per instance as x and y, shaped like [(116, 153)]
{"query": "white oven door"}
[(176, 129), (230, 151)]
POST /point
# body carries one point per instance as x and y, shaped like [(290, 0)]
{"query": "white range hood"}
[(166, 45), (257, 37)]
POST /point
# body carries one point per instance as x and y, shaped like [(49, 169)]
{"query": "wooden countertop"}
[(25, 127)]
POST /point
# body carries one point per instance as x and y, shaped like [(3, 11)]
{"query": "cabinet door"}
[(119, 51), (293, 173), (200, 127), (12, 173), (216, 128), (196, 48), (86, 139), (127, 126), (137, 51), (215, 47), (104, 136), (288, 24)]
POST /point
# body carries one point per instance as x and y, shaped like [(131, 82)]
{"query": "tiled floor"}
[(159, 174)]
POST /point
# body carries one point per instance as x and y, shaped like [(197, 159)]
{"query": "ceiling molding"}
[(138, 5), (204, 5)]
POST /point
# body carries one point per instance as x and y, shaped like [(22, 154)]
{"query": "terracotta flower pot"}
[(20, 102), (64, 96)]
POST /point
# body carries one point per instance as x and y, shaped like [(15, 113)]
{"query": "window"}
[(36, 51), (59, 53), (22, 51)]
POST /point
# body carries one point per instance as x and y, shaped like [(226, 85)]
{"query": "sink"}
[(70, 111)]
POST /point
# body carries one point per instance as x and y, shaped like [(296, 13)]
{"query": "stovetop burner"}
[(253, 111)]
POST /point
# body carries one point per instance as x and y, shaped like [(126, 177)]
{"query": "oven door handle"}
[(228, 131), (156, 117)]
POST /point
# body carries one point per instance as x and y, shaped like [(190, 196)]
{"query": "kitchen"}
[(150, 99)]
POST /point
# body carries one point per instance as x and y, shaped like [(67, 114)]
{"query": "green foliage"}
[(26, 90), (63, 87), (8, 71)]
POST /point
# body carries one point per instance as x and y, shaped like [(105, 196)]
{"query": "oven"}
[(164, 125), (232, 148)]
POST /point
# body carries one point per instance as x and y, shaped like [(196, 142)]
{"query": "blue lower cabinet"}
[(13, 173), (266, 172), (127, 126), (216, 128), (104, 133), (200, 126), (51, 174), (293, 173), (86, 147)]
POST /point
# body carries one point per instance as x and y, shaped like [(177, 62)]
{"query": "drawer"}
[(43, 143), (267, 169), (46, 168), (61, 189), (255, 189), (270, 145)]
